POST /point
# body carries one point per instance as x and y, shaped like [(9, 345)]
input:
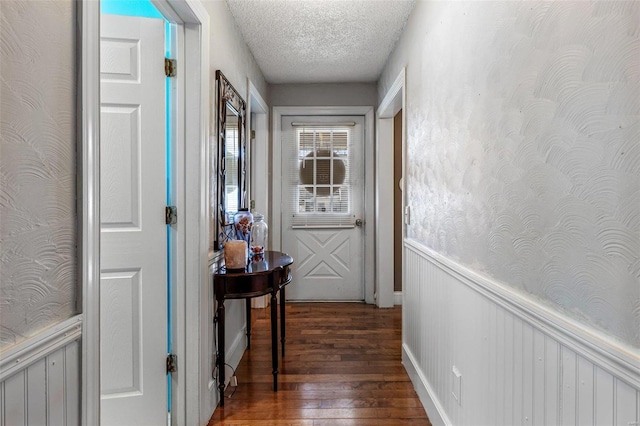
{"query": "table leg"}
[(220, 354), (282, 319), (248, 308), (274, 339)]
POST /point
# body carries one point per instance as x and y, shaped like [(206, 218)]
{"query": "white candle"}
[(235, 254)]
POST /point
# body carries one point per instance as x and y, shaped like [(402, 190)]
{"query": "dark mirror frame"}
[(228, 98)]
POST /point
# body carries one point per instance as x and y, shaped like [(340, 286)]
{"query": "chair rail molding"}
[(36, 348)]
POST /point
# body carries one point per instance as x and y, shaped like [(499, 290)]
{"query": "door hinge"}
[(171, 215), (172, 363), (170, 67)]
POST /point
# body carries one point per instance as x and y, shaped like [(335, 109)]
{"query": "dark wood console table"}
[(268, 276)]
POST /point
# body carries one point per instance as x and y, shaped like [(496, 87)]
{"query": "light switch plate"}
[(456, 385)]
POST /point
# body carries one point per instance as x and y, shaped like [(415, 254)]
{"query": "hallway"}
[(342, 367)]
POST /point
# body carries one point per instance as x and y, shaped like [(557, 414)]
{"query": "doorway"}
[(368, 217), (397, 205), (387, 123), (323, 205), (191, 130)]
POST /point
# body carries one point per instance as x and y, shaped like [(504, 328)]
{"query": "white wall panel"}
[(15, 399), (626, 403), (604, 391), (552, 390), (2, 422), (56, 391), (73, 355), (45, 390), (569, 390), (37, 401), (516, 368)]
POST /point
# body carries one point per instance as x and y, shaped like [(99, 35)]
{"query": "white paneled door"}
[(322, 205), (133, 283)]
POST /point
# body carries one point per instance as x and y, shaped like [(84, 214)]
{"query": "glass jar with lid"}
[(259, 235)]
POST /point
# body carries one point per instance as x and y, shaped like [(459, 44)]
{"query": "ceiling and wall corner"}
[(523, 160), (38, 228), (230, 53), (321, 41)]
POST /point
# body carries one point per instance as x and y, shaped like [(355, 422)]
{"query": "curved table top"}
[(272, 260)]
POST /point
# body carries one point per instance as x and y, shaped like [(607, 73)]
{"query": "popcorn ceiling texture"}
[(37, 167), (321, 41), (523, 148)]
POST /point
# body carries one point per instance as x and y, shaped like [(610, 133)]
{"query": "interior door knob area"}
[(359, 222)]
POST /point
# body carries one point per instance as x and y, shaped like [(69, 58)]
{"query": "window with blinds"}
[(321, 178)]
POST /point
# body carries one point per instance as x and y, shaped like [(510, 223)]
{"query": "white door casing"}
[(329, 255), (133, 249)]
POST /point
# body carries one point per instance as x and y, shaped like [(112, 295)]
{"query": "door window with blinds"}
[(321, 177), (231, 160)]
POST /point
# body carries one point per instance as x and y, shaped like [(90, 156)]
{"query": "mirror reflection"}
[(231, 159)]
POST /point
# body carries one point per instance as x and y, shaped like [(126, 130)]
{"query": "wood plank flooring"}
[(342, 367)]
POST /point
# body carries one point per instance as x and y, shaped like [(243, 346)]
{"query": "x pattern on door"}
[(323, 254)]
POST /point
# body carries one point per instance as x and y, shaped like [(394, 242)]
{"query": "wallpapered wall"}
[(37, 167), (523, 148)]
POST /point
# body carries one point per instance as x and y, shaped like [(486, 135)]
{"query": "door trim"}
[(89, 205), (190, 302), (260, 174), (393, 101), (369, 205)]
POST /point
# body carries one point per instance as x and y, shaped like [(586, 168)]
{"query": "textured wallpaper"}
[(523, 157), (37, 167)]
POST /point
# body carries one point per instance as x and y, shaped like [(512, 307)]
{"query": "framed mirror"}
[(231, 164)]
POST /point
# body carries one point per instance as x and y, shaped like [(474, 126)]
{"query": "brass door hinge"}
[(170, 67), (172, 363), (170, 215)]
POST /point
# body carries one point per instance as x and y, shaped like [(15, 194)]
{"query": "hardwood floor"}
[(342, 367)]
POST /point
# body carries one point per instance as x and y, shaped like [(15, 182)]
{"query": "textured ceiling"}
[(321, 41)]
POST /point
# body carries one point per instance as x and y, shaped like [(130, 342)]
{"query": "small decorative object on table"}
[(242, 223), (259, 234), (235, 254)]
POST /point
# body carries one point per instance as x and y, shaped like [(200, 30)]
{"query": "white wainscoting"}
[(519, 362), (40, 378)]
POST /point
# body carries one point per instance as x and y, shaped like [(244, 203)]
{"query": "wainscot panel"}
[(480, 354), (40, 378)]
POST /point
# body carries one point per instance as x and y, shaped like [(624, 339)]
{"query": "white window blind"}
[(231, 167), (320, 181)]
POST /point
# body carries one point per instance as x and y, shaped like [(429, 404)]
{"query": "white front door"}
[(133, 248), (322, 206)]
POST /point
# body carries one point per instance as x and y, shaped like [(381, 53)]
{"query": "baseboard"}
[(397, 298), (427, 396), (236, 351), (232, 358)]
